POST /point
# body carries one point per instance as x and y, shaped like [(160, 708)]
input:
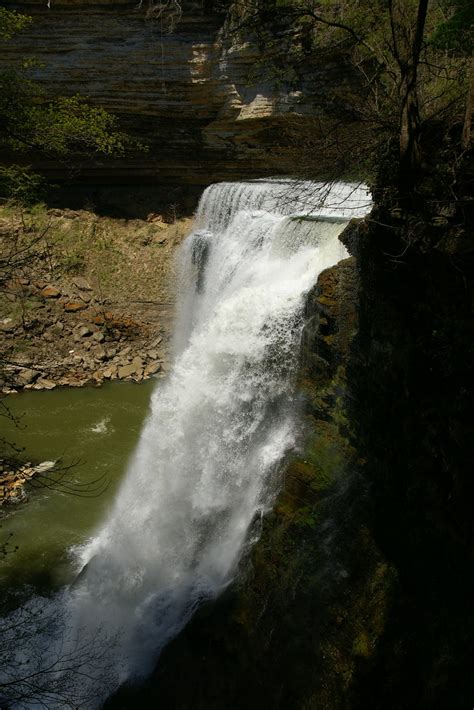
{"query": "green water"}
[(98, 427)]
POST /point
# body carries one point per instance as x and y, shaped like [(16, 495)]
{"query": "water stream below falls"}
[(206, 466)]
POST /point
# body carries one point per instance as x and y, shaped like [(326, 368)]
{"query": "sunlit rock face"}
[(210, 104)]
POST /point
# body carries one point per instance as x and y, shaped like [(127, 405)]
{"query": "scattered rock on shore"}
[(13, 479)]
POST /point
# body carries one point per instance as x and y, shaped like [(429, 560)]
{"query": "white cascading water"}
[(207, 462)]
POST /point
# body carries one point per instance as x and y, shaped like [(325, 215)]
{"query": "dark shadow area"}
[(135, 201)]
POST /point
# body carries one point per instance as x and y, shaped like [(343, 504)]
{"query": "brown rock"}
[(126, 371), (83, 331), (137, 362), (27, 377), (57, 328), (110, 372), (44, 384), (100, 353), (81, 283), (73, 306), (152, 368), (50, 292)]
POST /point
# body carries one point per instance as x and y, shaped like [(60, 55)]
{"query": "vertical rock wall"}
[(206, 101)]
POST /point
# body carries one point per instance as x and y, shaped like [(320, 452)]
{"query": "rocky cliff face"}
[(412, 372), (200, 96)]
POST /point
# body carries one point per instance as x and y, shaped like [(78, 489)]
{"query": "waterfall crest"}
[(206, 467)]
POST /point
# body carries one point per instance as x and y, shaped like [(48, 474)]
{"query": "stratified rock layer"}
[(208, 102)]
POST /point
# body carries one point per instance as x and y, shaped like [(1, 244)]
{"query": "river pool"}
[(96, 427)]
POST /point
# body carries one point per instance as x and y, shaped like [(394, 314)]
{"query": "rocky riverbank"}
[(93, 301), (13, 478)]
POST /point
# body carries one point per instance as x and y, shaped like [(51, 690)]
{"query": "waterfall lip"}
[(281, 196), (337, 219)]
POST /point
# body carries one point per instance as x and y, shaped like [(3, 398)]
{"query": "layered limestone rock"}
[(207, 101)]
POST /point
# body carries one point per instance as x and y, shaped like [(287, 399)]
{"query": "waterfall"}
[(206, 467)]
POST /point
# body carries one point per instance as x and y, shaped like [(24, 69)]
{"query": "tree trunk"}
[(410, 122), (408, 58), (466, 131)]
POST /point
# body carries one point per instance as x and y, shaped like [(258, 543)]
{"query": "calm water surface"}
[(97, 427)]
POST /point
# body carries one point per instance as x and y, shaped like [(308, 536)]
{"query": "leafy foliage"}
[(63, 127), (11, 22), (59, 127), (456, 33), (21, 184)]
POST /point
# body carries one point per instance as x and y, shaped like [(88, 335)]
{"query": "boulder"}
[(99, 353), (81, 283), (83, 331), (88, 363), (110, 372), (44, 384), (137, 362), (57, 328), (43, 467), (74, 306), (99, 336), (152, 368), (126, 371), (27, 377), (50, 292)]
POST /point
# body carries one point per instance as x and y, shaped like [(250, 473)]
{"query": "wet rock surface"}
[(14, 477)]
